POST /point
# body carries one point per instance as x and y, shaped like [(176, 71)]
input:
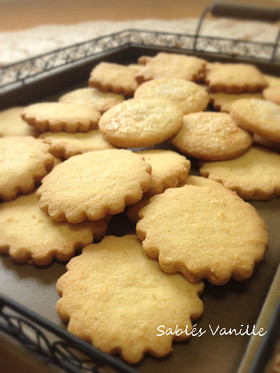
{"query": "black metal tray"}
[(235, 305)]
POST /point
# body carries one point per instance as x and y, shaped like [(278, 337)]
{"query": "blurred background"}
[(22, 14)]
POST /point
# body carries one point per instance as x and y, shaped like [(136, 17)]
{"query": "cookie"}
[(253, 175), (211, 136), (188, 96), (140, 122), (223, 101), (203, 232), (234, 78), (259, 116), (171, 65), (58, 116), (29, 235), (202, 181), (11, 123), (132, 212), (272, 94), (100, 101), (119, 300), (272, 145), (93, 185), (272, 81), (24, 161), (113, 77), (65, 145), (143, 60), (136, 67), (169, 169)]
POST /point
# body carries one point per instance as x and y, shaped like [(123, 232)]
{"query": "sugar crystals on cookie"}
[(140, 122), (211, 136), (259, 116), (188, 96)]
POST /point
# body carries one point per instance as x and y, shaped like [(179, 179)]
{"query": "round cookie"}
[(58, 116), (272, 145), (24, 161), (100, 101), (65, 145), (211, 136), (203, 181), (93, 185), (203, 232), (272, 94), (223, 101), (29, 235), (11, 123), (140, 122), (189, 96), (253, 175), (259, 116), (115, 297), (169, 169), (273, 81)]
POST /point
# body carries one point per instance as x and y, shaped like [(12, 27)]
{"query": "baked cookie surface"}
[(211, 136), (58, 116), (132, 212), (234, 78), (169, 169), (224, 101), (98, 100), (253, 175), (140, 122), (116, 298), (171, 65), (272, 81), (24, 161), (189, 96), (202, 232), (93, 185), (66, 145), (272, 94), (113, 77), (203, 181), (259, 116), (29, 235), (272, 145), (11, 123)]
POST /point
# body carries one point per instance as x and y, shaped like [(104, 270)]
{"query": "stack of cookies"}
[(130, 142)]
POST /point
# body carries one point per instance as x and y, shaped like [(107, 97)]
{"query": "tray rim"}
[(126, 38), (111, 53)]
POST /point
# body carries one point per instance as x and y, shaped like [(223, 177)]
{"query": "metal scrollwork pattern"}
[(19, 72), (53, 344)]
